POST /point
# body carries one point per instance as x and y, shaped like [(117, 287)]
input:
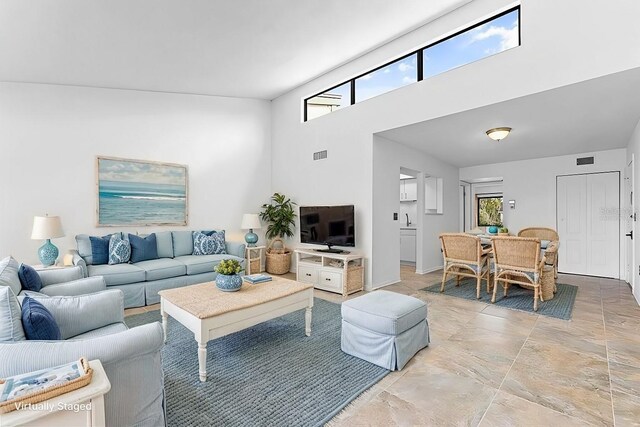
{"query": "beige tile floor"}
[(488, 365)]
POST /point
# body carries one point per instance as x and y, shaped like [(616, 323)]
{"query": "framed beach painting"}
[(139, 192)]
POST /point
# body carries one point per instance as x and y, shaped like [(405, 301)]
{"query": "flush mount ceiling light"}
[(498, 134)]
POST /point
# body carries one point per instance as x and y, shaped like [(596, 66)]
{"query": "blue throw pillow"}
[(38, 322), (143, 249), (205, 244), (29, 278), (100, 249), (119, 250)]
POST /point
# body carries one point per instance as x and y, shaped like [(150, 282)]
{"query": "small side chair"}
[(517, 260), (549, 242), (465, 257)]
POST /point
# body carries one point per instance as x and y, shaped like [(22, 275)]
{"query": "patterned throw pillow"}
[(119, 250), (209, 245)]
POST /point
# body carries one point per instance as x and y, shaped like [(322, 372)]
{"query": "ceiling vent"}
[(319, 155), (584, 161)]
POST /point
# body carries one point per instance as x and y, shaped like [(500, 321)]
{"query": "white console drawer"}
[(330, 281), (308, 275)]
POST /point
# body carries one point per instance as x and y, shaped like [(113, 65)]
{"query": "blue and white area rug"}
[(267, 375), (518, 298)]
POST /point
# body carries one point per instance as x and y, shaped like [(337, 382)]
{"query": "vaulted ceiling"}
[(242, 48)]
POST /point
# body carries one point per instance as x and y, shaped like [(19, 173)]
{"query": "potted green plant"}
[(503, 230), (280, 216), (228, 279)]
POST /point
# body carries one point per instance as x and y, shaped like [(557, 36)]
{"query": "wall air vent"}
[(319, 155), (584, 161)]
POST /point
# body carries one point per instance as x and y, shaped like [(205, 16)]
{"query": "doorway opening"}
[(410, 222)]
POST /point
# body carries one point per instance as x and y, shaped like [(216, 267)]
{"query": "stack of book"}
[(257, 278)]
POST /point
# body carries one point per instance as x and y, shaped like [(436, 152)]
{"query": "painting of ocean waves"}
[(135, 192)]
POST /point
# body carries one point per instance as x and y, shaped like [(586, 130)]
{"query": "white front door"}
[(589, 224)]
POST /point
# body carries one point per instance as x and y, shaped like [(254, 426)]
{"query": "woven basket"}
[(278, 260), (255, 266)]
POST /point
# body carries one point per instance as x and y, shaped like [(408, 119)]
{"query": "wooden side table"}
[(254, 261), (81, 407)]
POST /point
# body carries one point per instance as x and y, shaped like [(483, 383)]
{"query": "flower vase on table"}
[(228, 279)]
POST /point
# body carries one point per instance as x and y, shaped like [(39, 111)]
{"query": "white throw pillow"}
[(9, 274), (10, 316)]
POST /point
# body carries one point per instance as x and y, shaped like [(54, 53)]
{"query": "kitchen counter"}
[(411, 227)]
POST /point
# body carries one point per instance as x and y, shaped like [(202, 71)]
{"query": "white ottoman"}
[(384, 328)]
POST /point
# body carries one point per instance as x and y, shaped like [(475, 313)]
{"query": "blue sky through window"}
[(345, 94), (392, 76), (493, 37), (486, 40)]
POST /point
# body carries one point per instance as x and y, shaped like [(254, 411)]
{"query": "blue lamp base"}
[(251, 238), (48, 253)]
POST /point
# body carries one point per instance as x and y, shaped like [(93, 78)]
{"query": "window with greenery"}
[(489, 37), (489, 210)]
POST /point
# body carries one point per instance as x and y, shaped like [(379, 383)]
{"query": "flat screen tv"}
[(328, 225)]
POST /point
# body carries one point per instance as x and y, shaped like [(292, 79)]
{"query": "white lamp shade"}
[(250, 221), (46, 227), (498, 134)]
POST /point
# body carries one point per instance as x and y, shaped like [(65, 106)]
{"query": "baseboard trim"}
[(430, 270), (392, 282)]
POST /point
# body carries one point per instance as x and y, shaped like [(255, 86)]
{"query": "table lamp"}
[(47, 228), (250, 222)]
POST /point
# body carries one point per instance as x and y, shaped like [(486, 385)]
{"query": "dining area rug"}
[(518, 298), (268, 375)]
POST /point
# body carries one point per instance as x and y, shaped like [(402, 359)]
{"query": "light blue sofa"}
[(92, 326), (176, 266)]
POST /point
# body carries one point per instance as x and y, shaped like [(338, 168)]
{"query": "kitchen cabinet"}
[(408, 190), (433, 187), (408, 245)]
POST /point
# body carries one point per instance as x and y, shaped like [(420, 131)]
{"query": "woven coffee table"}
[(211, 313)]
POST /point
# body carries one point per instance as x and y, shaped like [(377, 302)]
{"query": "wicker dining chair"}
[(517, 260), (464, 257), (551, 249)]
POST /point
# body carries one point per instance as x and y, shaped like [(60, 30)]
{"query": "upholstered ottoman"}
[(384, 328)]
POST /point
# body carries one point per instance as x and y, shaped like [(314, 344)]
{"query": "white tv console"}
[(340, 273)]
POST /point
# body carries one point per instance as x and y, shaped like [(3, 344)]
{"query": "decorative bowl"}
[(228, 283)]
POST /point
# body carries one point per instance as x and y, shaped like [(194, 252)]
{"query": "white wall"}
[(50, 136), (634, 149), (555, 51), (388, 157), (532, 184)]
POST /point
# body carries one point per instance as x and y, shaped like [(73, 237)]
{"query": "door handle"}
[(630, 234)]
